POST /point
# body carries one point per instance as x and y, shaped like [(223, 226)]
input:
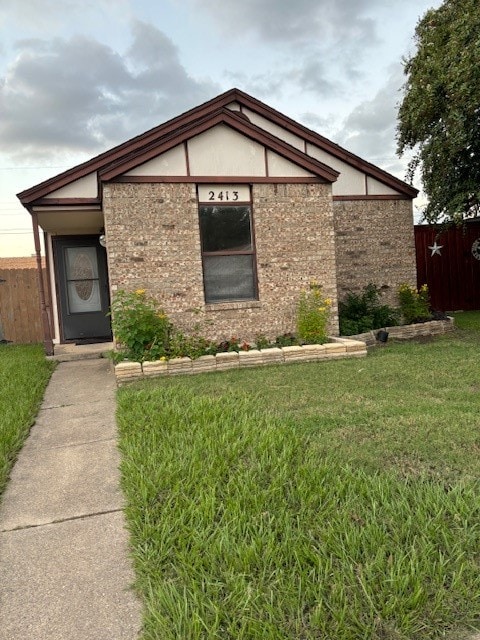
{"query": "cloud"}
[(369, 130), (260, 85), (78, 95), (316, 122), (314, 76), (47, 14), (308, 75), (296, 22), (311, 37)]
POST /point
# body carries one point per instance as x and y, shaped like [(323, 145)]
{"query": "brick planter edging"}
[(337, 348), (409, 331)]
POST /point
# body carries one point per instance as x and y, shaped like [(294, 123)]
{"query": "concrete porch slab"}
[(70, 352)]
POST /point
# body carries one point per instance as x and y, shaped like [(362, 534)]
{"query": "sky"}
[(78, 77)]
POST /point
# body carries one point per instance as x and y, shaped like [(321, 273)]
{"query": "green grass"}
[(24, 374), (467, 319), (334, 500)]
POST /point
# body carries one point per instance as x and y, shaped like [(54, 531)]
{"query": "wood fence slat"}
[(453, 278), (20, 316)]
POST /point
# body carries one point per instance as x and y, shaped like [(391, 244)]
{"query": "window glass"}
[(225, 228), (228, 254), (228, 277)]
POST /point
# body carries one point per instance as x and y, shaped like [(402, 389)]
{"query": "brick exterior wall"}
[(154, 243), (375, 243)]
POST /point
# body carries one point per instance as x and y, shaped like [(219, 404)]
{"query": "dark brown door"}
[(81, 266)]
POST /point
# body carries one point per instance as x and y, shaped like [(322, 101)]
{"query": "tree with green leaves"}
[(439, 117)]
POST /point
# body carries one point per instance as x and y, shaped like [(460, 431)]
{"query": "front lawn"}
[(329, 501), (24, 374)]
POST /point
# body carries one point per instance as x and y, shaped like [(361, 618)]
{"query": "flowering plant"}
[(414, 303), (313, 313), (234, 344), (140, 327)]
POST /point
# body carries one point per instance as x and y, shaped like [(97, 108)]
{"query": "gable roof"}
[(233, 120), (140, 146)]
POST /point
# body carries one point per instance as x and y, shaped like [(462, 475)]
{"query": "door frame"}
[(60, 280)]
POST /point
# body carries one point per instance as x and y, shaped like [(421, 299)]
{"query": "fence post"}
[(47, 337)]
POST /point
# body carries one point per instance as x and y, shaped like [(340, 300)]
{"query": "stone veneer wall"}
[(375, 243), (154, 244)]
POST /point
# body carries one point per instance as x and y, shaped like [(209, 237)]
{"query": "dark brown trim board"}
[(91, 202), (162, 131), (393, 196), (235, 122), (47, 336), (218, 179)]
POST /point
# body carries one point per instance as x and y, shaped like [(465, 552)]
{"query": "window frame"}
[(249, 252)]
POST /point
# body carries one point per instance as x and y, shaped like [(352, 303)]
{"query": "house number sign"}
[(223, 193)]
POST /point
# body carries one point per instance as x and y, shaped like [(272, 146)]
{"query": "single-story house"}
[(229, 209)]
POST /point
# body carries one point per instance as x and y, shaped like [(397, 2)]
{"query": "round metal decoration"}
[(476, 249)]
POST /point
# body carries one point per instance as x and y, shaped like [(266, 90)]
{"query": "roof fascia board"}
[(233, 95), (327, 145), (236, 122), (87, 202), (119, 151)]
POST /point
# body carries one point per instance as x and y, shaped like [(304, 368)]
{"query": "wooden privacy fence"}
[(451, 269), (20, 317)]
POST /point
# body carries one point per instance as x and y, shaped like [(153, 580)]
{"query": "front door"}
[(81, 268)]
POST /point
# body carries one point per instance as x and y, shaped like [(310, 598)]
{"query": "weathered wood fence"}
[(20, 317)]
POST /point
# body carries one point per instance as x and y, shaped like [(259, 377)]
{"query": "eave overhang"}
[(236, 122), (159, 135)]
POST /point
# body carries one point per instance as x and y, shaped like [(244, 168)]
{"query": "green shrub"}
[(190, 346), (363, 312), (262, 342), (141, 328), (313, 312), (414, 303), (286, 340)]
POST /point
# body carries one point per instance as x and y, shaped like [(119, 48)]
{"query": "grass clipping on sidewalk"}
[(242, 527)]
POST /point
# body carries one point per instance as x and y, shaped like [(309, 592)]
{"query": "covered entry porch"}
[(75, 295)]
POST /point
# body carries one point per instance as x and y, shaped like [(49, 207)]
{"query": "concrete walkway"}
[(64, 567)]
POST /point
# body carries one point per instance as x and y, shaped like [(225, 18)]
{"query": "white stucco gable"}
[(351, 180), (86, 187), (220, 151), (170, 163)]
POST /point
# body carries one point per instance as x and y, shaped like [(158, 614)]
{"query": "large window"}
[(227, 249)]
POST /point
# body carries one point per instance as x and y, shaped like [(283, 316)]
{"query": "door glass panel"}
[(81, 263), (83, 285), (83, 289), (78, 304)]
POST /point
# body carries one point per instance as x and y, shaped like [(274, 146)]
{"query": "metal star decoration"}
[(435, 248)]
